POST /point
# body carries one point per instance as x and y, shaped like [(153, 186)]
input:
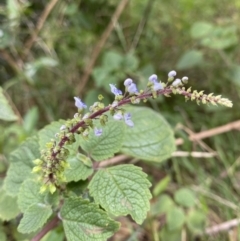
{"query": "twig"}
[(222, 227), (40, 23), (113, 160), (193, 154), (49, 226), (142, 24), (216, 131), (9, 59), (215, 197), (100, 44)]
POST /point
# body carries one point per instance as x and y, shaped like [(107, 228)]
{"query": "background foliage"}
[(198, 39)]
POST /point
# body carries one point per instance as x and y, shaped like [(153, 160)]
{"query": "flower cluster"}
[(52, 163)]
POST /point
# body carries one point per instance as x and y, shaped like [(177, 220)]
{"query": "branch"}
[(215, 131), (49, 226), (29, 43), (100, 44), (222, 227)]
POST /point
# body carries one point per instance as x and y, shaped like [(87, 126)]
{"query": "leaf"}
[(161, 186), (49, 132), (29, 194), (8, 206), (185, 197), (79, 168), (30, 119), (163, 205), (201, 29), (85, 221), (122, 190), (112, 60), (34, 218), (196, 221), (173, 235), (54, 235), (221, 37), (6, 112), (151, 138), (3, 236), (190, 59), (175, 218), (130, 62), (21, 165), (234, 75), (106, 145)]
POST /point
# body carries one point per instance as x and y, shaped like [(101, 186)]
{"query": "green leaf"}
[(190, 59), (163, 205), (21, 165), (201, 29), (112, 60), (151, 138), (54, 235), (175, 218), (106, 145), (221, 37), (122, 190), (34, 218), (3, 236), (30, 119), (49, 132), (130, 62), (85, 221), (161, 186), (196, 221), (100, 76), (8, 206), (80, 168), (185, 197), (6, 112), (234, 75), (173, 235), (29, 195)]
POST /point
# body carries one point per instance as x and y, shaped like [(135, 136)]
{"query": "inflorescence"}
[(52, 163)]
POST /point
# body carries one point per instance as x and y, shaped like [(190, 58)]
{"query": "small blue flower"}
[(97, 132), (172, 74), (79, 104), (176, 82), (153, 78), (128, 82), (156, 85), (114, 90), (118, 116), (132, 88), (128, 121)]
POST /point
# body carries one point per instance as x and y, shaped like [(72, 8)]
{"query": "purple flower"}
[(156, 85), (114, 90), (132, 88), (118, 116), (128, 82), (153, 78), (79, 104), (176, 82), (172, 74), (97, 132), (128, 121)]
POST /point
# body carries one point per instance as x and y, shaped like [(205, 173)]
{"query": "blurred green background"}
[(51, 51)]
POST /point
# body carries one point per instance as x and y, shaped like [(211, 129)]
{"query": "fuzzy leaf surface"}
[(8, 206), (6, 112), (21, 165), (80, 168), (48, 133), (29, 194), (122, 190), (106, 145), (85, 221), (34, 218), (151, 138)]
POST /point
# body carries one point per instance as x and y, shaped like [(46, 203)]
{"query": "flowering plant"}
[(75, 186)]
